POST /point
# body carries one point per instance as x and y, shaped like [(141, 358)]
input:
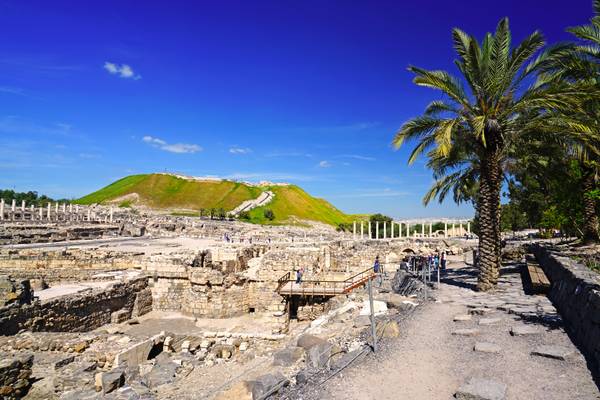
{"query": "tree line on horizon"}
[(30, 198), (521, 119)]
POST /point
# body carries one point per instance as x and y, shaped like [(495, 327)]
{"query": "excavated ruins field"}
[(177, 312)]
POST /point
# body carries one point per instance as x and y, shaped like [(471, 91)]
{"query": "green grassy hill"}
[(160, 191)]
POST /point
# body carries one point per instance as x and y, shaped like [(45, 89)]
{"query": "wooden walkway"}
[(328, 288)]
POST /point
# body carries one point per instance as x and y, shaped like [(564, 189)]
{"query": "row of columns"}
[(50, 213), (452, 233)]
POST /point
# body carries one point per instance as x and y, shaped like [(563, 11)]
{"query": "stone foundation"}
[(73, 313)]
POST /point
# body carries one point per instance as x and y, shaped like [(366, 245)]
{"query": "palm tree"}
[(483, 122), (579, 64)]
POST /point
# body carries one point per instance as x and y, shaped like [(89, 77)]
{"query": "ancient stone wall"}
[(22, 233), (72, 313), (65, 265), (575, 292)]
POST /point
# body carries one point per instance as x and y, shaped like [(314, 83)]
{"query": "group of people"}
[(435, 261)]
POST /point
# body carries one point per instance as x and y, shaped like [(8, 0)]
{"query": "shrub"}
[(269, 214)]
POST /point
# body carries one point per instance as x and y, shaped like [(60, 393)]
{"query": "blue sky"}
[(305, 92)]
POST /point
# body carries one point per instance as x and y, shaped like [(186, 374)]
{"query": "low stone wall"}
[(14, 376), (23, 233), (58, 265), (76, 313), (575, 292)]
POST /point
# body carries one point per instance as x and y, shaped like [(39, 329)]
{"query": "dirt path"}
[(428, 361), (416, 366)]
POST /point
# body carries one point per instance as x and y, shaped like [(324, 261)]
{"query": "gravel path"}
[(428, 361)]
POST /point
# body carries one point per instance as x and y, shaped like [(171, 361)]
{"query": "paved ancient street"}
[(507, 340)]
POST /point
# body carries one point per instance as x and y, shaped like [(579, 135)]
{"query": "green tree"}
[(373, 219), (482, 121), (579, 64)]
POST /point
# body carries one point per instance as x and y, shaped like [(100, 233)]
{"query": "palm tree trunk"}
[(590, 219), (489, 221)]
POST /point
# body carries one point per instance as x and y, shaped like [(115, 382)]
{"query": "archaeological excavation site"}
[(102, 302)]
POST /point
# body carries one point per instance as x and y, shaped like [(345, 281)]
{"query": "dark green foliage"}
[(244, 215), (31, 198), (269, 214)]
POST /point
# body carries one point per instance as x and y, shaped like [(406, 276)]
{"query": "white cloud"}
[(288, 154), (13, 124), (325, 164), (89, 155), (12, 90), (179, 148), (386, 192), (239, 150), (270, 176), (123, 70), (357, 157)]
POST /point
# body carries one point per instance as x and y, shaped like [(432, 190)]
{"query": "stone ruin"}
[(161, 296)]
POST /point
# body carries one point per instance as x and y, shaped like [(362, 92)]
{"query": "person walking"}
[(299, 274), (443, 260), (377, 271)]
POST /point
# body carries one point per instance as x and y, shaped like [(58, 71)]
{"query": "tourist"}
[(299, 273), (377, 271), (443, 261)]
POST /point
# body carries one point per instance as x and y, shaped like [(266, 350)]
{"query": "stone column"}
[(460, 227), (2, 209), (392, 229), (362, 230), (445, 229), (14, 205), (423, 229), (41, 213), (23, 210), (111, 215), (48, 214), (89, 214), (453, 229), (430, 230), (400, 229), (384, 230), (469, 228), (353, 230), (370, 229), (71, 207), (376, 229)]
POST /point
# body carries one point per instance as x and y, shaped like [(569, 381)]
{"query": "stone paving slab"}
[(484, 347), (466, 332), (556, 352), (489, 321), (481, 389), (462, 317), (524, 330)]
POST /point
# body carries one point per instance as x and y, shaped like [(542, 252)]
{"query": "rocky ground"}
[(505, 345)]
